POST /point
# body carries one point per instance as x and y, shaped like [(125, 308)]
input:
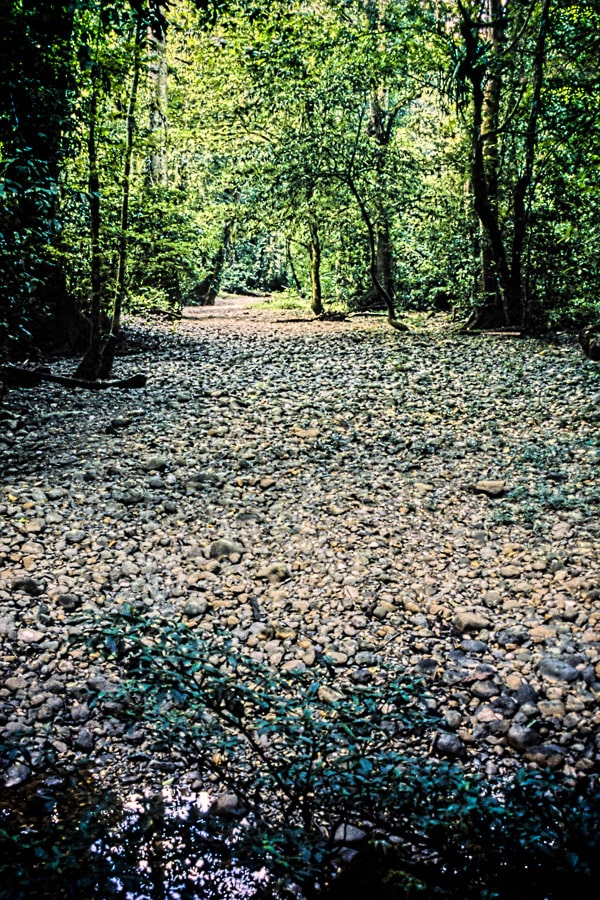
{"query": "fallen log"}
[(17, 376)]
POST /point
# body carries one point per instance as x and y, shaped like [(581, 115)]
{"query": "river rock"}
[(470, 620), (490, 487), (225, 547), (557, 669), (275, 573)]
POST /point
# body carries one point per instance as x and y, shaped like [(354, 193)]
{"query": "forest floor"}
[(427, 499)]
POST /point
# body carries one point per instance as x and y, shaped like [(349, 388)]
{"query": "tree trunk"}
[(521, 208), (381, 295), (206, 292), (89, 367), (316, 292), (384, 258), (292, 268), (157, 76), (379, 127), (130, 126), (490, 118), (507, 307)]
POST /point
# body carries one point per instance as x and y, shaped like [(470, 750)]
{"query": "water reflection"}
[(65, 836)]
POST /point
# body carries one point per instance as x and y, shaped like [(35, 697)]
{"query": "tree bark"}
[(292, 268), (157, 165), (130, 131), (384, 258), (316, 291), (206, 292), (521, 208), (379, 127), (381, 294), (89, 366), (508, 306), (15, 376), (490, 118)]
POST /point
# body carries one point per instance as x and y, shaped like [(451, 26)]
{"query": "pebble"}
[(450, 746), (225, 547), (557, 669), (275, 572), (491, 488), (470, 620)]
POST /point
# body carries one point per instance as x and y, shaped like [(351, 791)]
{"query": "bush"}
[(289, 761)]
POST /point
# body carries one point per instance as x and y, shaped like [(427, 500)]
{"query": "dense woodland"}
[(366, 154)]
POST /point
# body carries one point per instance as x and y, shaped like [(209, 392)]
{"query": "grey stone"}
[(526, 693), (294, 666), (85, 740), (16, 774), (521, 737), (195, 608), (557, 669), (30, 635), (225, 547), (516, 634), (228, 805), (491, 488), (509, 571), (550, 755), (155, 463), (69, 602), (349, 834), (450, 746), (471, 646), (361, 676), (275, 573), (484, 690), (365, 658), (492, 599)]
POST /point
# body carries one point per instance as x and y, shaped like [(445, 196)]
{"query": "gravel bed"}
[(425, 499)]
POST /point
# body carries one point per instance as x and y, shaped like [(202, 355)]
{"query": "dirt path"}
[(425, 499)]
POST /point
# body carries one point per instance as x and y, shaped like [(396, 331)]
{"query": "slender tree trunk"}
[(524, 184), (379, 127), (485, 205), (157, 77), (490, 117), (384, 258), (316, 292), (89, 366), (206, 292), (130, 126), (486, 85), (294, 274), (381, 294)]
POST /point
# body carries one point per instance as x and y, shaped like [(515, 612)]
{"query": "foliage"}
[(300, 757), (48, 831), (34, 124), (304, 756), (534, 837), (328, 142)]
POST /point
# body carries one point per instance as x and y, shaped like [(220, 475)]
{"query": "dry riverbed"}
[(329, 494)]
